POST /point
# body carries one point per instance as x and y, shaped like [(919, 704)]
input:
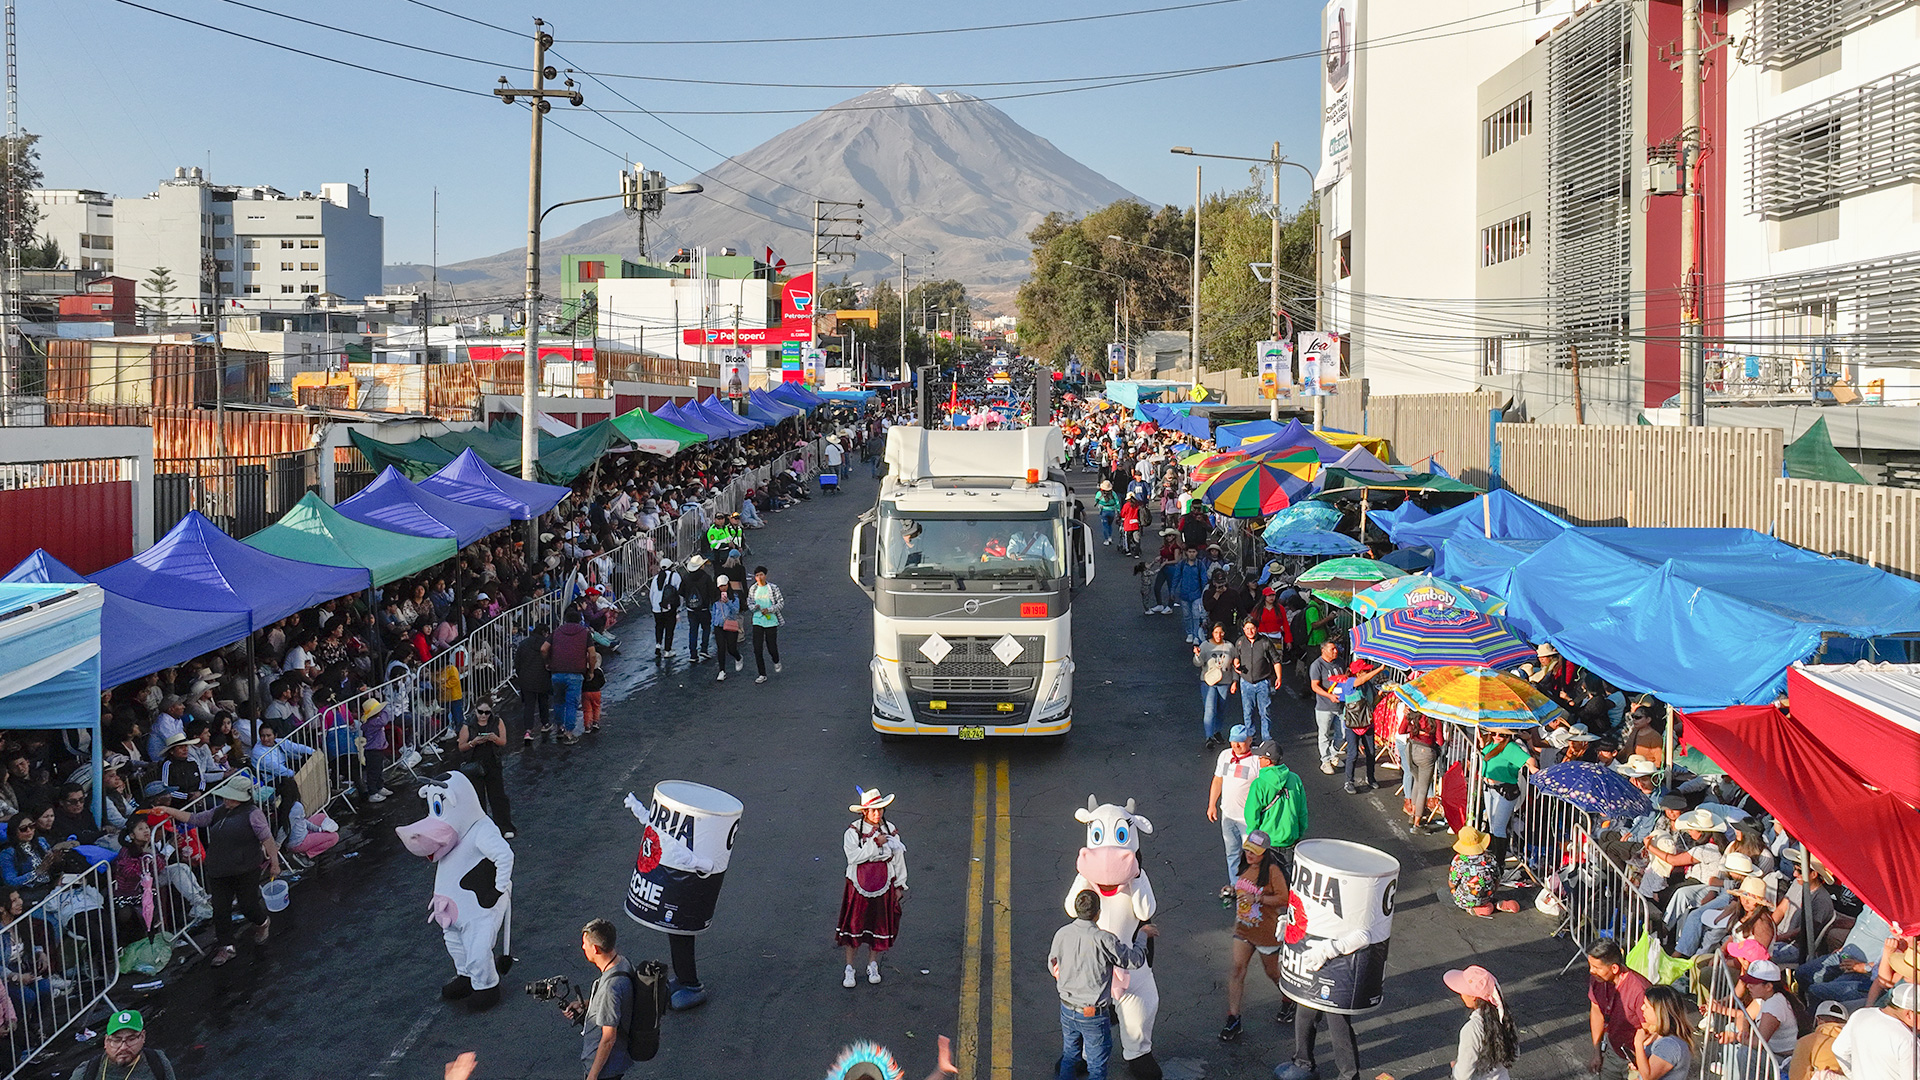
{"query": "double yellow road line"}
[(973, 959)]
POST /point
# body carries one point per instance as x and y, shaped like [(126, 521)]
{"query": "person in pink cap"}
[(1488, 1042)]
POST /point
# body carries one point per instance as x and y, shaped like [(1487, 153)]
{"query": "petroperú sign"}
[(796, 322)]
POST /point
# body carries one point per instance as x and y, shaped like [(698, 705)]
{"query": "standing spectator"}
[(1356, 721), (1215, 660), (535, 682), (238, 844), (1325, 671), (609, 1009), (1187, 580), (835, 456), (663, 599), (1109, 506), (1489, 1042), (483, 741), (767, 603), (1663, 1047), (698, 592), (569, 655), (375, 719), (125, 1054), (590, 688), (1879, 1044), (1502, 760), (725, 617), (453, 694), (876, 883), (1616, 997), (1259, 892), (1277, 804), (1257, 665), (1423, 734), (1233, 774), (1082, 960)]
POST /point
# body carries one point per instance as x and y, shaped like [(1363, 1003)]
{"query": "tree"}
[(840, 294), (44, 254), (24, 176), (160, 286)]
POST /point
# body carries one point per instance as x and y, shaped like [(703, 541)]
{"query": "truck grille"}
[(970, 685)]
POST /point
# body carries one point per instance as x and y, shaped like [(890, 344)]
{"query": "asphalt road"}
[(348, 986)]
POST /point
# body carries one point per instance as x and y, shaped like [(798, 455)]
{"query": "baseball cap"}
[(1269, 750), (126, 1020), (1906, 996), (157, 788), (1830, 1010), (1240, 733), (1762, 971)]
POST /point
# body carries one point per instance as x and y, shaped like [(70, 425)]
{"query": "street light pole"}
[(1195, 332), (1122, 310)]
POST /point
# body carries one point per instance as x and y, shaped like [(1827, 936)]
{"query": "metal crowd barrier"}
[(1746, 1057), (1600, 898), (68, 947)]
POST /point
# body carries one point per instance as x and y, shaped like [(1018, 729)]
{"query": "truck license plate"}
[(972, 734)]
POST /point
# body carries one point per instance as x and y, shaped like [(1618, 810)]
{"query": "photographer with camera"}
[(608, 1010)]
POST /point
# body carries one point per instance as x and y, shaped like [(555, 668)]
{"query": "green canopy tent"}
[(317, 533), (1812, 457), (495, 448), (416, 460), (1338, 482), (655, 435), (564, 457)]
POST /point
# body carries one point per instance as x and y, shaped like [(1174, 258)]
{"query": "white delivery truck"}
[(971, 556)]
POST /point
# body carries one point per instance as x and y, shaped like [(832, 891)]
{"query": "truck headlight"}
[(1059, 692), (887, 694)]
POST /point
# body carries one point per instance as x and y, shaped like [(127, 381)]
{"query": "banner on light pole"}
[(1319, 362), (1276, 367), (1116, 359)]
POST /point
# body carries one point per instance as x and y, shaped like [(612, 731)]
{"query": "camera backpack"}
[(649, 979)]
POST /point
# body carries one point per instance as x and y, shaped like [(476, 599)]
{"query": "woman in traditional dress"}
[(876, 880)]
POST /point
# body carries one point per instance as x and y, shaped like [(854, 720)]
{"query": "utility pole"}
[(1273, 273), (1693, 387), (823, 215), (540, 102), (1194, 333), (903, 316), (10, 287)]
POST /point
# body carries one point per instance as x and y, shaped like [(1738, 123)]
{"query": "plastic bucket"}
[(676, 900), (1339, 887), (274, 894)]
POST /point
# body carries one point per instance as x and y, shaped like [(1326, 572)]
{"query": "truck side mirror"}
[(861, 558)]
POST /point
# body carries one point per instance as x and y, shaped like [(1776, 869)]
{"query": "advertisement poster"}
[(1338, 76), (1276, 367), (1319, 363), (1116, 359), (733, 373), (790, 362), (813, 362)]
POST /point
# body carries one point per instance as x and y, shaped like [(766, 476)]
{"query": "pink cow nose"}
[(1108, 866), (429, 838)]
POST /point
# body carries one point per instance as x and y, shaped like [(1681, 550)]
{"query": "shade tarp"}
[(314, 532), (468, 479), (564, 457), (693, 419), (394, 503), (1500, 513), (416, 459), (1703, 618), (196, 567), (1812, 457), (1392, 521), (1337, 482), (1257, 433), (1868, 717), (137, 638), (50, 655), (1176, 418), (1869, 838), (497, 446), (726, 418)]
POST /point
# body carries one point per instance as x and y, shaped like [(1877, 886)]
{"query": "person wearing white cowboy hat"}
[(239, 844), (1108, 503), (876, 883)]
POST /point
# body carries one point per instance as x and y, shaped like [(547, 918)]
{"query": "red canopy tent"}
[(1840, 774)]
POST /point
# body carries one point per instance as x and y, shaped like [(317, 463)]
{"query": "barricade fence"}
[(63, 959), (1599, 898), (1745, 1055)]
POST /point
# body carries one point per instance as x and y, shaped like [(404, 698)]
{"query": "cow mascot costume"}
[(472, 886), (1110, 865)]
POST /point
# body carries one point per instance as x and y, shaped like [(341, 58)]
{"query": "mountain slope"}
[(951, 173)]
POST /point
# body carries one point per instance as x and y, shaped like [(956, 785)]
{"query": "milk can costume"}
[(472, 885), (876, 879), (1110, 865)]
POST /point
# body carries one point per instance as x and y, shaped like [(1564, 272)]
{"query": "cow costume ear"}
[(1083, 816), (1129, 806), (1140, 822), (1093, 802)]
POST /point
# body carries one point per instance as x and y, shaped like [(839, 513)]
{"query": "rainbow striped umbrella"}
[(1420, 639), (1478, 697), (1215, 464), (1423, 591), (1301, 461), (1252, 489)]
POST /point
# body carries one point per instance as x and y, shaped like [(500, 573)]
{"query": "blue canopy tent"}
[(693, 420), (397, 504), (196, 567), (767, 409), (1176, 417), (50, 661), (1266, 434), (1703, 618), (727, 418), (1500, 512), (138, 638), (469, 479), (796, 394), (853, 397)]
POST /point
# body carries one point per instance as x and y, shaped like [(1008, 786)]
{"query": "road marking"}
[(969, 1027), (1002, 925), (412, 1036)]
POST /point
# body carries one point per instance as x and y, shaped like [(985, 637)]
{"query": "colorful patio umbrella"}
[(1594, 788), (1213, 465), (1478, 696), (1306, 515), (1423, 591), (1420, 639), (1301, 461), (1197, 457), (1342, 577), (1251, 489)]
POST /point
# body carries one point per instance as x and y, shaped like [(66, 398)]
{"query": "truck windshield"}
[(931, 545)]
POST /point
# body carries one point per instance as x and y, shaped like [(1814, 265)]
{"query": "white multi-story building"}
[(217, 244), (655, 314)]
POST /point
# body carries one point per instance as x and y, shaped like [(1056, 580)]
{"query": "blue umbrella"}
[(1594, 788)]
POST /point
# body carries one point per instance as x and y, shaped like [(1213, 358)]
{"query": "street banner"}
[(790, 362), (796, 308), (1116, 359), (1276, 367), (813, 362), (1319, 363), (733, 373), (1338, 75)]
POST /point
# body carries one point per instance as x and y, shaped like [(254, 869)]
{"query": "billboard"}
[(1116, 359), (1338, 77), (796, 309), (1276, 367), (813, 362), (733, 373), (1319, 362)]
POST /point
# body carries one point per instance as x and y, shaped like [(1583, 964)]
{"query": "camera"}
[(556, 988)]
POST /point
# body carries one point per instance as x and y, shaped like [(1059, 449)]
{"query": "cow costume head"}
[(1111, 858), (453, 807)]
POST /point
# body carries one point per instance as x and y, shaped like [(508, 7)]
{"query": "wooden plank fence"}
[(1645, 476), (1877, 525)]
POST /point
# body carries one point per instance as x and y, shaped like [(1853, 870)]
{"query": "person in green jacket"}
[(1277, 804), (1108, 503)]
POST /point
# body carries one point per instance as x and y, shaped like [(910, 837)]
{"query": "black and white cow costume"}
[(1109, 864), (472, 885)]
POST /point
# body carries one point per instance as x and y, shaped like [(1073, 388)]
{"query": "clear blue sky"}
[(120, 96)]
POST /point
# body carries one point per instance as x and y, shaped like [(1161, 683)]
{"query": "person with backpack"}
[(608, 1012), (569, 656), (535, 683), (698, 592), (663, 596)]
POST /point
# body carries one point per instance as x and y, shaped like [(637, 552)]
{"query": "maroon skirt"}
[(868, 920)]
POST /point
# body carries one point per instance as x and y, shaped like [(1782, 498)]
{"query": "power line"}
[(906, 33)]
